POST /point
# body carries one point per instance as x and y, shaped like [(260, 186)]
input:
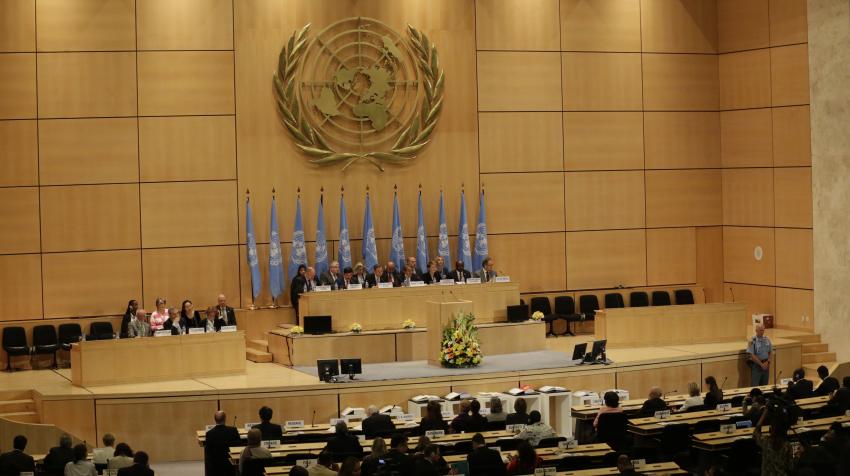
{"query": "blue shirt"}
[(760, 347)]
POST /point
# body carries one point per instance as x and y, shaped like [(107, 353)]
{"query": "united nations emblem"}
[(358, 90)]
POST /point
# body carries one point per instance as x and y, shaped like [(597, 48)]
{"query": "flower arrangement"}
[(356, 328), (408, 324), (537, 316), (296, 330), (460, 346)]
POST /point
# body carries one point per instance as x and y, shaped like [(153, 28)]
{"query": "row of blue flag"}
[(471, 257)]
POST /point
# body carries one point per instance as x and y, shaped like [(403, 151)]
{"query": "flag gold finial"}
[(299, 192), (273, 192)]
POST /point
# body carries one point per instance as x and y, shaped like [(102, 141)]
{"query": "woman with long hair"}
[(189, 315), (433, 419), (714, 394)]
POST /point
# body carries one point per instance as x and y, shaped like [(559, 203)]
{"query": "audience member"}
[(841, 397), (129, 315), (654, 403), (484, 461), (80, 466), (525, 461), (139, 327), (343, 443), (345, 281), (776, 452), (100, 456), (123, 457), (298, 471), (611, 405), (158, 317), (59, 456), (427, 464), (391, 275), (254, 450), (411, 262), (219, 439), (268, 430), (374, 460), (16, 461), (396, 459), (520, 414), (714, 395), (350, 467), (433, 419), (828, 384), (694, 400), (496, 411), (536, 430), (375, 277), (140, 466), (324, 465), (476, 421), (800, 386), (460, 420), (407, 276), (189, 315), (625, 466), (376, 423), (225, 312), (753, 406)]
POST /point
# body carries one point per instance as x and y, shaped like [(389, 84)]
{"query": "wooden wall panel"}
[(683, 198), (92, 283), (737, 371), (682, 140), (519, 81), (791, 136), (759, 299), (529, 25), (640, 382), (603, 140), (745, 79), (188, 214), (792, 188), (604, 200), (545, 250), (600, 25), (746, 138), (18, 153), (21, 289), (742, 25), (740, 264), (198, 273), (284, 408), (794, 261), (74, 416), (679, 26), (17, 26), (601, 81), (88, 151), (788, 23), (671, 256), (595, 381), (186, 82), (748, 197), (17, 86), (86, 84), (90, 217), (520, 141), (19, 215), (185, 25), (86, 25), (527, 202), (680, 82), (789, 75), (606, 259), (187, 148), (709, 273), (795, 309)]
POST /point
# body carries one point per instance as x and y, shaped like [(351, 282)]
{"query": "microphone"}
[(234, 420), (313, 420), (724, 382)]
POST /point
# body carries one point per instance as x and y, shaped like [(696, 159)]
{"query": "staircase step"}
[(15, 394), (258, 356), (24, 405), (814, 348), (812, 370), (261, 345), (805, 338), (23, 417), (819, 357)]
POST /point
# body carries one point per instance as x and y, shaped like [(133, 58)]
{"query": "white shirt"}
[(101, 455)]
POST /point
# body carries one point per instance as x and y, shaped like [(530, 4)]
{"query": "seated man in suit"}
[(176, 323), (269, 430), (407, 276), (377, 424), (800, 387), (375, 277), (217, 447), (140, 466), (484, 461), (345, 279), (331, 276), (225, 312), (139, 327), (16, 460), (391, 275), (487, 273), (324, 465), (460, 275), (344, 443), (411, 261), (841, 397), (654, 403), (59, 456), (828, 384)]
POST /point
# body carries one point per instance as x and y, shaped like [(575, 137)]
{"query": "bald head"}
[(220, 417), (655, 392), (222, 300), (141, 314)]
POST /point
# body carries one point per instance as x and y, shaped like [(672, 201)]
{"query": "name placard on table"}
[(323, 288), (515, 428), (306, 463), (447, 282), (435, 433), (473, 281), (162, 333), (196, 330), (385, 285), (294, 424), (270, 443), (417, 284), (228, 328), (354, 287), (502, 279)]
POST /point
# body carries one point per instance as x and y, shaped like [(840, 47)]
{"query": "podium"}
[(439, 315)]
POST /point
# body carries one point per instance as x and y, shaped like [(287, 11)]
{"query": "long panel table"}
[(115, 361), (379, 309)]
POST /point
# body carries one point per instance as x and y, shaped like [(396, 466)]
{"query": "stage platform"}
[(162, 417)]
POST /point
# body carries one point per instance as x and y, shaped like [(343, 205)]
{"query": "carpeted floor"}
[(543, 359)]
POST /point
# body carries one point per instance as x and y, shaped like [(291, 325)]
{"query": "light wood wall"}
[(766, 158)]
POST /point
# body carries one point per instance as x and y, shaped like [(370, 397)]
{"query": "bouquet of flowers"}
[(460, 346), (296, 330), (356, 327), (537, 315), (408, 324)]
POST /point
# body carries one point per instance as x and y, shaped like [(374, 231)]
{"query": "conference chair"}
[(638, 299), (15, 344), (612, 430), (101, 331), (460, 448), (744, 457), (496, 425), (565, 309), (706, 426), (551, 442), (44, 341), (68, 334), (541, 304), (684, 296), (574, 463), (614, 301), (660, 298), (256, 467), (737, 400), (508, 444), (675, 441), (588, 305)]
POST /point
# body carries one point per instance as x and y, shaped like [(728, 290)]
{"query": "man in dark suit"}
[(377, 424), (217, 447), (828, 384), (375, 277), (459, 274), (140, 466), (396, 457), (411, 261), (800, 387), (654, 403), (391, 275), (269, 430), (331, 276), (484, 461), (343, 443), (841, 398), (16, 460), (426, 463), (225, 312), (346, 279), (59, 456)]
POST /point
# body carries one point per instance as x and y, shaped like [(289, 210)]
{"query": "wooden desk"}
[(671, 325), (115, 361), (377, 309), (664, 468), (717, 441)]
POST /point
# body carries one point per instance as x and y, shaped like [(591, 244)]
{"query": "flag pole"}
[(248, 203), (274, 299)]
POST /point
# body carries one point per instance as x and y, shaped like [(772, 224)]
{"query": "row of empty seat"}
[(46, 339)]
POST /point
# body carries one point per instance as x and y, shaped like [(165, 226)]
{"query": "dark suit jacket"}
[(829, 385), (192, 321), (296, 287), (457, 276), (16, 461), (516, 419), (328, 280), (231, 316), (377, 425), (841, 399), (135, 470), (485, 462), (429, 425), (802, 388), (374, 280), (347, 445), (175, 330), (270, 431), (217, 450), (651, 406), (431, 279), (364, 280), (424, 467), (393, 277), (56, 459), (402, 463)]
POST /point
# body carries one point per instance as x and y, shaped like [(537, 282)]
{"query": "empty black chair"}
[(614, 301), (737, 400), (675, 439), (508, 444), (462, 448), (612, 430), (706, 426), (660, 298), (551, 442), (68, 334), (697, 408), (684, 296), (565, 308), (496, 425), (101, 331), (588, 305), (15, 344), (44, 341), (638, 299), (256, 467)]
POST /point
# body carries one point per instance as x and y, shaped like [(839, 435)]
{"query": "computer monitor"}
[(579, 350), (328, 369), (317, 325), (518, 313), (351, 367), (598, 348)]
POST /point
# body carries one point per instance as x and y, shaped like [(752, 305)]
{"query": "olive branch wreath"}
[(414, 138)]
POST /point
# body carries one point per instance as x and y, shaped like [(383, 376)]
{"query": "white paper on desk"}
[(334, 421), (638, 463), (323, 289), (515, 428), (408, 417), (545, 471), (447, 282), (385, 285), (306, 463), (724, 407)]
